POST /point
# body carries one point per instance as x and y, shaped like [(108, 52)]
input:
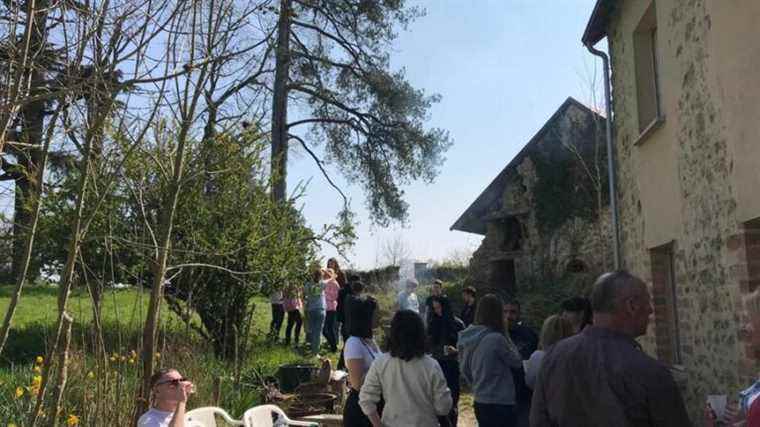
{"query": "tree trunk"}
[(29, 158), (63, 367), (159, 270), (29, 193), (28, 244), (34, 37), (68, 274), (279, 161)]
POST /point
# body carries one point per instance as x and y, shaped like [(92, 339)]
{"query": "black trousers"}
[(329, 332), (344, 334), (294, 318), (352, 413), (278, 314), (491, 415), (450, 368)]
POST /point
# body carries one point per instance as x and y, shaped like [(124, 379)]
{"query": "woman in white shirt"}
[(169, 393), (359, 353), (410, 381), (555, 328)]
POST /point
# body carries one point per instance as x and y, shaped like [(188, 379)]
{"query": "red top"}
[(753, 415)]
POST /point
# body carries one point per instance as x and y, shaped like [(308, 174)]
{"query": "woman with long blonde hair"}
[(554, 329)]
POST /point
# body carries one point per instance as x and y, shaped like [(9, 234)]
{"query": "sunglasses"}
[(174, 382)]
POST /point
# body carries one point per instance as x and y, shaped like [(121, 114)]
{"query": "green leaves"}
[(369, 119)]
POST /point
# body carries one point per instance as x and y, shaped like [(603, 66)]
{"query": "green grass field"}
[(95, 394)]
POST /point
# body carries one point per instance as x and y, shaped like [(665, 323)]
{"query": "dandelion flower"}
[(37, 369), (72, 420), (131, 361), (90, 375), (19, 392), (39, 360)]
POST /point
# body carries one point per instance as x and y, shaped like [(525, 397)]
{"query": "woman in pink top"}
[(332, 288), (293, 306)]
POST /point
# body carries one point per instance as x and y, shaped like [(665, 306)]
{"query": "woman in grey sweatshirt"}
[(486, 356)]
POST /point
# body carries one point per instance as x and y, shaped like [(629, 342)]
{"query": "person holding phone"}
[(169, 392)]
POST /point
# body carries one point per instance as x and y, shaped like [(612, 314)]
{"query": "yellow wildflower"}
[(158, 355), (123, 359), (39, 360), (11, 424), (19, 392), (37, 369), (113, 358), (73, 420), (34, 388), (90, 375), (131, 361)]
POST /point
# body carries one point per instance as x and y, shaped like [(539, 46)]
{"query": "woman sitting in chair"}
[(169, 393)]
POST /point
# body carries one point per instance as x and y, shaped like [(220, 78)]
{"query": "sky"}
[(503, 67)]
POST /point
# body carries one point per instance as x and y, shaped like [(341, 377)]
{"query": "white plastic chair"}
[(261, 416), (206, 417)]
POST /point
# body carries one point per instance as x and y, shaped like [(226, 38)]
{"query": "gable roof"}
[(596, 29), (473, 220)]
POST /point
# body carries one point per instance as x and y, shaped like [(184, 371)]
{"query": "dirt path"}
[(466, 413)]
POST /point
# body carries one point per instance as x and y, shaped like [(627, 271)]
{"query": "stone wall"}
[(547, 246), (676, 189)]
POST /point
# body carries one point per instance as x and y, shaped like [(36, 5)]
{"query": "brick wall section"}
[(752, 246), (747, 271), (662, 300)]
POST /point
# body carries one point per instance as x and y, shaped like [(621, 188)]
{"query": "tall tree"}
[(332, 63)]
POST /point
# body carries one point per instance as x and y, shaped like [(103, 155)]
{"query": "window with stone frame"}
[(647, 71), (664, 299), (512, 232)]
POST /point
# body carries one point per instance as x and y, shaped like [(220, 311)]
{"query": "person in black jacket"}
[(353, 289), (526, 341), (345, 291), (436, 292), (442, 334), (469, 296)]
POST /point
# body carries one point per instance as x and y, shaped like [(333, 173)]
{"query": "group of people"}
[(451, 340), (584, 369), (318, 303)]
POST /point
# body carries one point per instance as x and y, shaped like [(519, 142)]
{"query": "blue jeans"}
[(315, 321)]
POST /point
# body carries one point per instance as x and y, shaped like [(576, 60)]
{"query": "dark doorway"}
[(503, 275)]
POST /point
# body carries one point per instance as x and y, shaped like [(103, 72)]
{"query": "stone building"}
[(540, 216), (686, 104)]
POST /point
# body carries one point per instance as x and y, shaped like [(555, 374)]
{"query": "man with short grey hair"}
[(407, 299), (600, 377)]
